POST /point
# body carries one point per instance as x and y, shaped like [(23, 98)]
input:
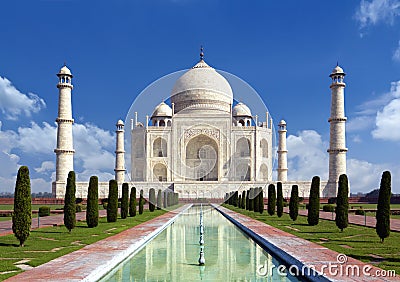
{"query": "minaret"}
[(120, 153), (337, 142), (65, 150), (282, 152)]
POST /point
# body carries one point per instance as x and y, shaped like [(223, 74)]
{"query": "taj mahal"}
[(201, 143)]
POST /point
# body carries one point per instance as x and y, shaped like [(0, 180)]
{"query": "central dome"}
[(202, 88)]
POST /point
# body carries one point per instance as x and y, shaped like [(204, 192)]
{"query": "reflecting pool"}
[(173, 255)]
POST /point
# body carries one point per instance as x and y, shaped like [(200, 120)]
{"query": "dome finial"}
[(201, 53)]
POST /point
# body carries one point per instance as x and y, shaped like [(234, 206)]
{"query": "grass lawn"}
[(34, 207), (48, 243), (359, 242)]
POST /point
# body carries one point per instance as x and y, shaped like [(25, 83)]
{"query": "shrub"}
[(132, 202), (141, 202), (342, 203), (328, 208), (256, 198), (279, 198), (332, 201), (152, 200), (69, 202), (360, 212), (125, 201), (294, 203), (261, 201), (313, 205), (22, 216), (105, 205), (112, 208), (271, 199), (44, 211), (92, 209), (383, 209), (159, 199), (78, 208)]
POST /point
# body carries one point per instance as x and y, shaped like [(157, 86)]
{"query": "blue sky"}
[(284, 49)]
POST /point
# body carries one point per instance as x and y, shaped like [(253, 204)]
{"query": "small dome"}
[(162, 110), (241, 110), (65, 70), (337, 70), (120, 122), (282, 123)]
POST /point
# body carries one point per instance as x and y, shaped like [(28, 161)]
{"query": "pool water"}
[(173, 255)]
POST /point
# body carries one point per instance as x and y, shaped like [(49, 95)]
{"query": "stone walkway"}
[(6, 226), (94, 261), (369, 221), (300, 252)]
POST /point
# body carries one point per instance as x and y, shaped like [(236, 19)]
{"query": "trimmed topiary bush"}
[(44, 211), (125, 201), (279, 200), (383, 209), (360, 212), (152, 199), (22, 216), (92, 208), (141, 202), (294, 203), (313, 205), (271, 199), (261, 201), (69, 202), (78, 208), (342, 203), (132, 202), (159, 199), (112, 207), (328, 208)]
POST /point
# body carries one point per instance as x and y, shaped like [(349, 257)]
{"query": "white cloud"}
[(376, 11), (388, 122), (13, 103), (360, 123), (46, 166), (396, 53), (94, 154), (307, 156)]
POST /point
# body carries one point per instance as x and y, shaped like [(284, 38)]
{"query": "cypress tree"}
[(141, 202), (125, 201), (251, 199), (236, 199), (152, 199), (159, 199), (294, 203), (261, 201), (132, 202), (69, 202), (383, 209), (243, 204), (92, 209), (256, 200), (271, 199), (313, 205), (279, 202), (240, 201), (112, 207), (247, 199), (22, 216), (342, 203)]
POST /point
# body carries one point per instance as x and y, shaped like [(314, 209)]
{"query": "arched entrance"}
[(201, 159), (159, 172)]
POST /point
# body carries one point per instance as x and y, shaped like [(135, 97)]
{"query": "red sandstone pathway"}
[(369, 221), (88, 263), (6, 226), (307, 252)]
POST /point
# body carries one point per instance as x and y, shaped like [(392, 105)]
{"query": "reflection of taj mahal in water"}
[(204, 144)]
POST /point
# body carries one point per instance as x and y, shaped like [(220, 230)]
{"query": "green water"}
[(173, 255)]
